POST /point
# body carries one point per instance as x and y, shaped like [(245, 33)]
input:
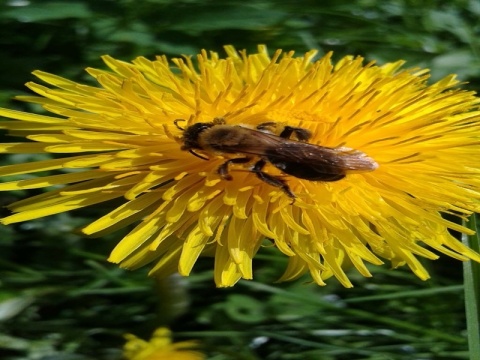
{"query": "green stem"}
[(471, 274)]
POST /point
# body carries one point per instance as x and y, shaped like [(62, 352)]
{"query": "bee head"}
[(192, 133)]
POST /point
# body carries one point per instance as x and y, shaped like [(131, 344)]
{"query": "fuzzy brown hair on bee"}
[(294, 157)]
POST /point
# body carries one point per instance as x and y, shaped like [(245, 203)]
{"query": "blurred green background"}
[(61, 300)]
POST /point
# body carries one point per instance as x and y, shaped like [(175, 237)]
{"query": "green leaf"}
[(243, 17), (47, 11), (245, 309)]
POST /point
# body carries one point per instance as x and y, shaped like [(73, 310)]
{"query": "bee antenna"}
[(178, 126), (197, 155)]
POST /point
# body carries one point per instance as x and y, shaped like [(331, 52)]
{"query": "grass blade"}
[(471, 274)]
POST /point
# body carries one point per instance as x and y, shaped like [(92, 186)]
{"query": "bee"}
[(260, 146)]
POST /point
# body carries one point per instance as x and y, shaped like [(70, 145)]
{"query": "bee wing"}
[(248, 141), (316, 156), (355, 160), (318, 163), (294, 157)]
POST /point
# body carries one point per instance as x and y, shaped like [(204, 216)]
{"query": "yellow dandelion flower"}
[(360, 164), (160, 347)]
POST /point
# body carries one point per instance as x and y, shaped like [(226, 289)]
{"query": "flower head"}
[(418, 146), (160, 347)]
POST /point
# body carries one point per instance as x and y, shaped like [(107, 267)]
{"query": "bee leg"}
[(223, 169), (267, 125), (300, 133), (219, 121), (271, 180), (197, 155)]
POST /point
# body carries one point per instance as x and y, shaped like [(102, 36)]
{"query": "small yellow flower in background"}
[(420, 144), (160, 347)]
